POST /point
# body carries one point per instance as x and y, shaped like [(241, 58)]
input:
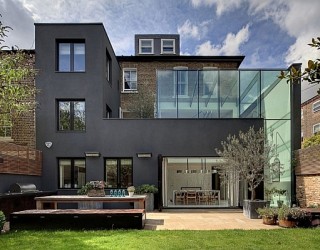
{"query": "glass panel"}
[(65, 173), (111, 173), (187, 89), (79, 57), (64, 57), (64, 116), (79, 173), (250, 94), (275, 96), (208, 94), (229, 94), (145, 43), (79, 116), (167, 102), (279, 134), (125, 173)]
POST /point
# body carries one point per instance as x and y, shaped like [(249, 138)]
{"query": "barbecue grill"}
[(23, 188)]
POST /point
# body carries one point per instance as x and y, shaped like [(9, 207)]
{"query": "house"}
[(310, 117), (87, 129)]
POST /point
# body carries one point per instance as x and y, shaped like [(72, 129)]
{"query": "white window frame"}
[(316, 106), (123, 80), (314, 126), (173, 46), (140, 46), (301, 113)]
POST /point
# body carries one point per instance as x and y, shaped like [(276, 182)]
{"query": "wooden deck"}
[(78, 219)]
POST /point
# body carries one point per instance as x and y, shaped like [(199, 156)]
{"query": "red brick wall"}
[(310, 118), (23, 128)]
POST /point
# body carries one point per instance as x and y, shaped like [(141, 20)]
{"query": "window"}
[(108, 67), (118, 172), (167, 46), (145, 46), (181, 81), (108, 111), (129, 80), (316, 128), (72, 173), (71, 56), (301, 113), (71, 115), (316, 106)]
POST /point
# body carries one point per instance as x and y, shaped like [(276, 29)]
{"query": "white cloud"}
[(189, 30), (230, 46), (221, 5)]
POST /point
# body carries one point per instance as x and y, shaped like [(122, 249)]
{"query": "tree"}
[(17, 88), (142, 103), (246, 157), (311, 73), (312, 141)]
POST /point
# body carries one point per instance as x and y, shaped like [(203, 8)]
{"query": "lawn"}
[(145, 239)]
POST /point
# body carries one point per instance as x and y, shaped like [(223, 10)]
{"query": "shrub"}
[(146, 188), (2, 220)]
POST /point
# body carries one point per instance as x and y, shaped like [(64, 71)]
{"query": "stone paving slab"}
[(202, 219)]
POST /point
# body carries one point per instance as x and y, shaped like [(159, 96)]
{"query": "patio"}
[(202, 219)]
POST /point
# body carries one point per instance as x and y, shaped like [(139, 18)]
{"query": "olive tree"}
[(246, 157)]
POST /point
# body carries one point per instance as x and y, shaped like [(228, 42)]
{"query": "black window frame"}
[(72, 159), (118, 159), (71, 63), (72, 112)]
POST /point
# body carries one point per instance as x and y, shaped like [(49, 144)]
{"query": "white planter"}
[(131, 194)]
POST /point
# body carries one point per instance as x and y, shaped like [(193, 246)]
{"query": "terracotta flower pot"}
[(287, 223), (268, 220)]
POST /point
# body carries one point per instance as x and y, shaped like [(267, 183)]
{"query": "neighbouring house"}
[(87, 129), (310, 117), (307, 159)]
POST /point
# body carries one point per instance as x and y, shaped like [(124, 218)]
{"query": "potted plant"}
[(131, 190), (269, 215), (247, 155), (148, 190), (292, 217), (280, 192), (93, 189), (269, 193)]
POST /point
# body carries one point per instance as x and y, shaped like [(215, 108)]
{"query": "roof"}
[(316, 97), (237, 59)]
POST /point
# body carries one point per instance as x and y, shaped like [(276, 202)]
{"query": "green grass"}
[(144, 239)]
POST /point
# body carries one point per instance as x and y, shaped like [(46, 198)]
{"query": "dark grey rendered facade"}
[(104, 131)]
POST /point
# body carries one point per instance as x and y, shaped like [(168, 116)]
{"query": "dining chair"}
[(202, 197), (180, 196), (191, 195)]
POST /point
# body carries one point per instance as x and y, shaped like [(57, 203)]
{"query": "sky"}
[(269, 33)]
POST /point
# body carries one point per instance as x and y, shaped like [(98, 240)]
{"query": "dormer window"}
[(167, 46), (145, 46)]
